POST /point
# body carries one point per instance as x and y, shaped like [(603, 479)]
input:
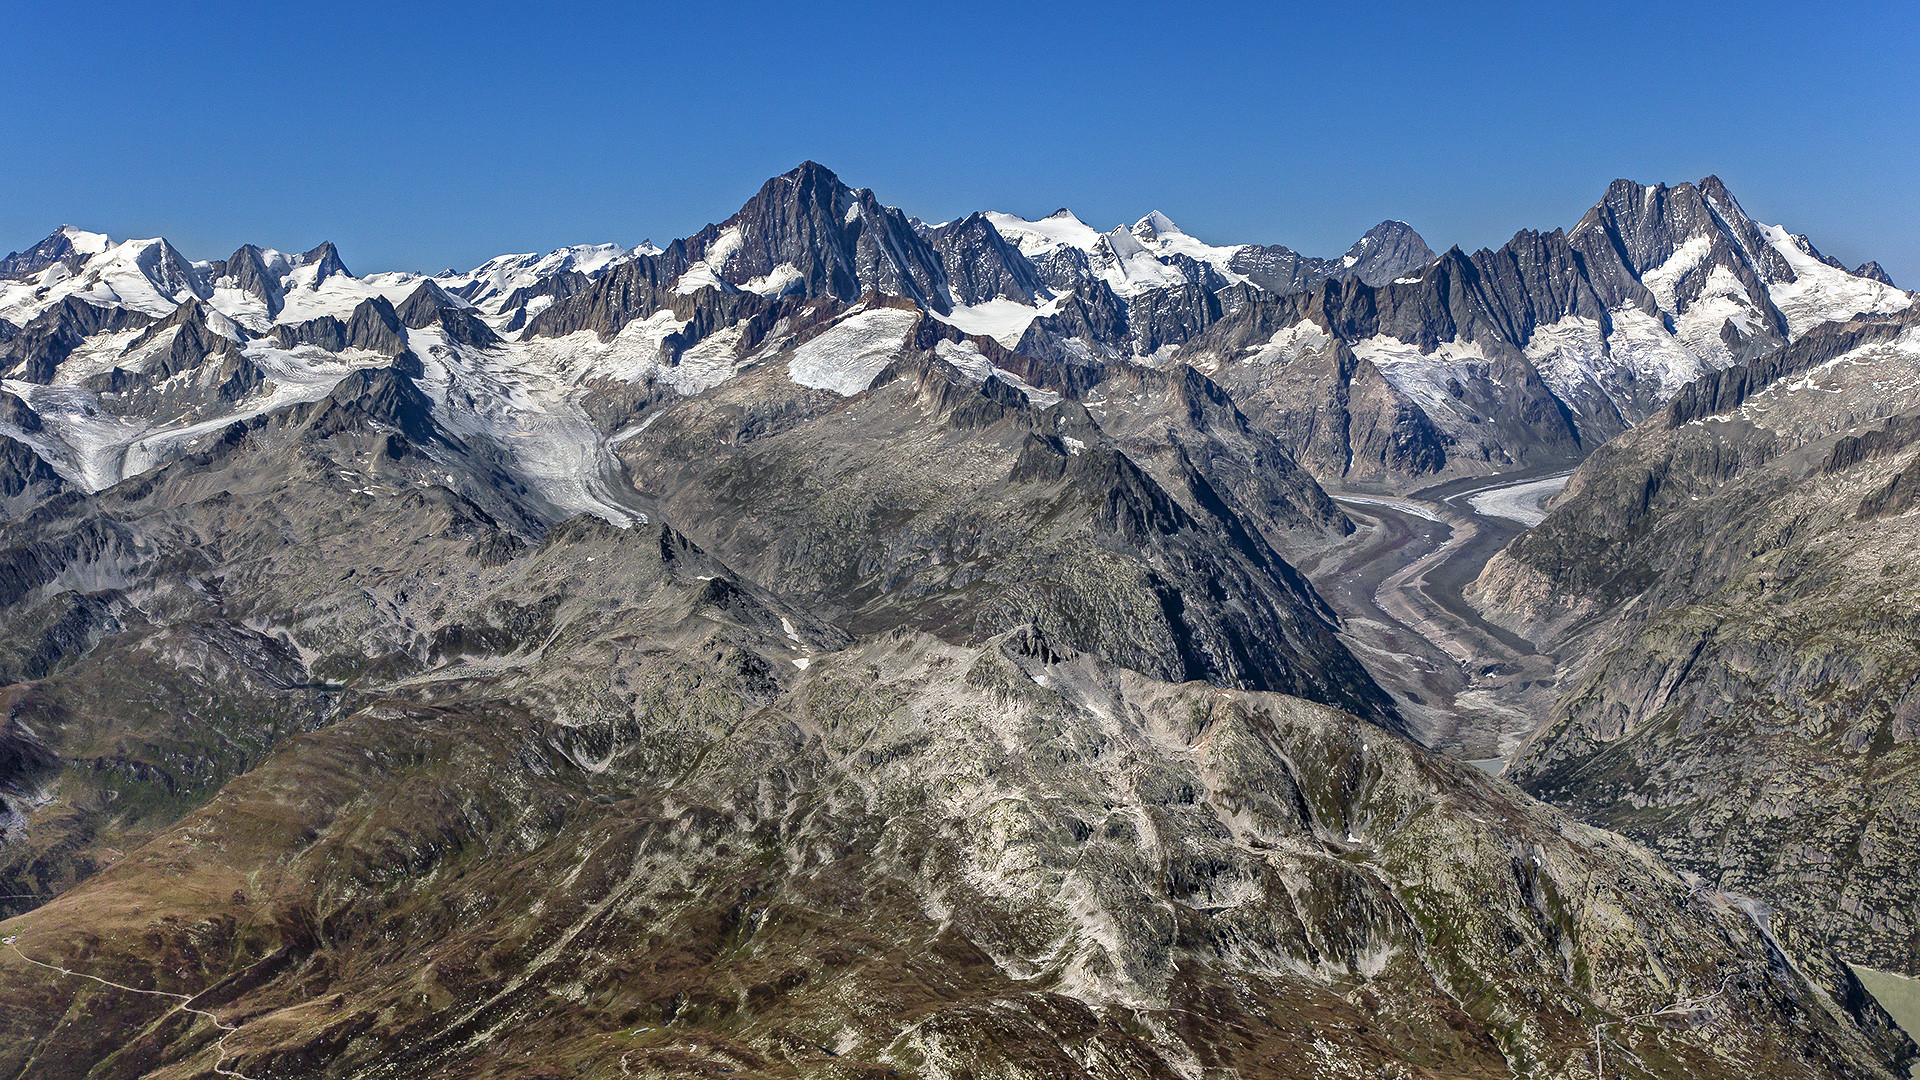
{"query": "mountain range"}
[(834, 644)]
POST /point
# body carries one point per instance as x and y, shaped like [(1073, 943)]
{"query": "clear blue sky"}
[(423, 136)]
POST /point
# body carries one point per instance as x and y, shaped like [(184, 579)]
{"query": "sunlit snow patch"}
[(968, 360), (846, 357), (1001, 319)]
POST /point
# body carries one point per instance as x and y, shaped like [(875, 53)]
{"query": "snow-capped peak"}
[(1060, 229), (1155, 225), (146, 275), (488, 285), (84, 242)]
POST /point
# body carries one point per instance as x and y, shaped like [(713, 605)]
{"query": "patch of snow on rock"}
[(846, 357), (1001, 319)]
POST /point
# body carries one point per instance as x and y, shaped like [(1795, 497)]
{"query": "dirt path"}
[(182, 1003)]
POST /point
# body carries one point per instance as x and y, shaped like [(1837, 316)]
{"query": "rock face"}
[(1388, 250), (982, 266), (828, 239), (373, 325), (59, 247), (1730, 589), (25, 477)]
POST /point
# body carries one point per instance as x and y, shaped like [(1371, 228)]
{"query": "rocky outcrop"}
[(1389, 250), (373, 326), (16, 413), (853, 509), (22, 471), (980, 265), (57, 247), (185, 341), (372, 399), (549, 289), (247, 270), (835, 240), (36, 352), (1873, 272), (429, 305)]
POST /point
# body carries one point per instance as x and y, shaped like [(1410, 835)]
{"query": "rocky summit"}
[(839, 645)]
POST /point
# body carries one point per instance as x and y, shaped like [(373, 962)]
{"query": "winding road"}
[(1465, 685), (182, 1003)]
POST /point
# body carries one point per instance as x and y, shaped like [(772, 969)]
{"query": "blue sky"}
[(423, 136)]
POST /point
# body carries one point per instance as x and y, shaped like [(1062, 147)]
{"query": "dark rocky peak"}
[(560, 286), (1639, 229), (16, 413), (423, 306), (1647, 224), (86, 319), (370, 399), (840, 241), (980, 265), (247, 270), (1388, 251), (194, 313), (632, 290), (24, 471), (22, 264), (190, 339), (1277, 268), (1089, 326), (430, 305), (1424, 313), (1873, 271), (196, 333), (36, 352), (1533, 280), (1493, 298), (325, 260), (373, 326), (1174, 315)]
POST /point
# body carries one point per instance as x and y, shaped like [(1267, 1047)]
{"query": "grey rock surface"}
[(1730, 589)]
